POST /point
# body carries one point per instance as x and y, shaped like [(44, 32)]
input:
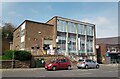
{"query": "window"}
[(79, 29), (72, 43), (89, 44), (22, 33), (61, 42), (89, 30), (22, 45), (61, 25), (63, 60), (83, 30)]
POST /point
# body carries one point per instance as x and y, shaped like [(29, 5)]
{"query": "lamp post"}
[(13, 60), (13, 57), (39, 37)]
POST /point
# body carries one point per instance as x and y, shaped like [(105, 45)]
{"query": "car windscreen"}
[(80, 60), (52, 61)]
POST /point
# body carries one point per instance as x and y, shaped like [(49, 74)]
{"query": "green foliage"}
[(23, 55), (18, 55), (9, 53), (7, 31), (4, 58)]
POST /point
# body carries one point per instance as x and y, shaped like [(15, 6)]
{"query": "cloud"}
[(100, 21), (104, 26), (0, 21)]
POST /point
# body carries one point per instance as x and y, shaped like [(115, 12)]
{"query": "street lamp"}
[(39, 32), (13, 57), (38, 45)]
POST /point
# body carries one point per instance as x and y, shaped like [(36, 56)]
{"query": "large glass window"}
[(89, 30), (89, 44), (82, 29), (71, 27), (81, 44), (79, 29), (61, 26), (61, 42), (72, 43)]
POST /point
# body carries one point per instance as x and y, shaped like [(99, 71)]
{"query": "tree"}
[(7, 31)]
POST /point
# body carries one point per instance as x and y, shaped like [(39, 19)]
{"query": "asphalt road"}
[(103, 71)]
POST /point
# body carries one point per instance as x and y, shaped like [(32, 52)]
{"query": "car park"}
[(87, 63), (55, 64)]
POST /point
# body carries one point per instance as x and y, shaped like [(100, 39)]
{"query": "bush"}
[(23, 55), (18, 55), (8, 53), (5, 58)]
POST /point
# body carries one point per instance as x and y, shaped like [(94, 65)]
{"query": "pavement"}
[(101, 65), (103, 71)]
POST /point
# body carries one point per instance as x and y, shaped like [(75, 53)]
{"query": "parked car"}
[(55, 64), (87, 63)]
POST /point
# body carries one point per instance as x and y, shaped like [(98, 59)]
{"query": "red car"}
[(55, 64)]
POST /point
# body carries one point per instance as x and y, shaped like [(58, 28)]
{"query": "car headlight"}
[(50, 65)]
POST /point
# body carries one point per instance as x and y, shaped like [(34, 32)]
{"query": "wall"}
[(18, 64), (16, 39), (34, 38), (5, 44), (53, 21)]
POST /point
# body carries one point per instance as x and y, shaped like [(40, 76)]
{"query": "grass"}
[(4, 58)]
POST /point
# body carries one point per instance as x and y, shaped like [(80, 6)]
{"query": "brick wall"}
[(6, 64)]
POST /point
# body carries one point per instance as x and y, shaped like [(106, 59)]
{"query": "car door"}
[(63, 64), (89, 63), (93, 63)]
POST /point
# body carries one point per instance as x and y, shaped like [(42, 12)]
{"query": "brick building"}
[(108, 50), (70, 37)]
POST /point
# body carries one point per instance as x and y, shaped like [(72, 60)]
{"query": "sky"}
[(103, 14)]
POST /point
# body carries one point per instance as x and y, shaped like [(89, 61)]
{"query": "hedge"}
[(22, 55), (9, 53), (18, 55)]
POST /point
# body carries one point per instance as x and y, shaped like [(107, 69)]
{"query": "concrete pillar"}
[(77, 39), (66, 39), (85, 39)]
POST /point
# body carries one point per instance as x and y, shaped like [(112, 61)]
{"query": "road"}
[(103, 71)]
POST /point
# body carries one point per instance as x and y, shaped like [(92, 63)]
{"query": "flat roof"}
[(32, 22), (71, 20), (109, 40)]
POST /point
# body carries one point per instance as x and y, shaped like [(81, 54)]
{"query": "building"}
[(69, 37), (108, 50), (32, 36), (5, 45)]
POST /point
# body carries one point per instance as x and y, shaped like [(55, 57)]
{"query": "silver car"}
[(87, 63)]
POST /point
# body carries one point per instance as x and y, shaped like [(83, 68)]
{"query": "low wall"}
[(49, 57), (17, 64), (30, 64)]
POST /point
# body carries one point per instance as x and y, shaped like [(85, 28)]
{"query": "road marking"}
[(86, 70), (41, 76), (85, 73)]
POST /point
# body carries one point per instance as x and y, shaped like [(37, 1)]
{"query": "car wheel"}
[(97, 66), (69, 67), (86, 66), (54, 68), (79, 67)]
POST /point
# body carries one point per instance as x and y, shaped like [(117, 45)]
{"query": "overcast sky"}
[(103, 14)]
